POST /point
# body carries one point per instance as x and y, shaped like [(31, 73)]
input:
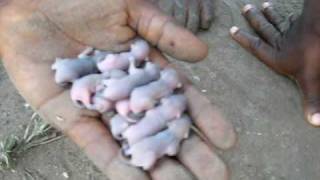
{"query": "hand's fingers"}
[(311, 98), (193, 15), (118, 170), (160, 30), (180, 11), (257, 47), (206, 8), (207, 117), (201, 160), (169, 169), (85, 129), (312, 110), (209, 120), (260, 24), (273, 16)]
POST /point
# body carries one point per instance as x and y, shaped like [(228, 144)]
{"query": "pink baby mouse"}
[(118, 124), (156, 119), (145, 97), (123, 107), (140, 50), (108, 76), (84, 88), (146, 152), (68, 70), (100, 104), (115, 61), (119, 89), (114, 74)]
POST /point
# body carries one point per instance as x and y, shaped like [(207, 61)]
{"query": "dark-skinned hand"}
[(34, 32), (294, 52), (192, 14)]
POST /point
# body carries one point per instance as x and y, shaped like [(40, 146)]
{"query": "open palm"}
[(33, 33)]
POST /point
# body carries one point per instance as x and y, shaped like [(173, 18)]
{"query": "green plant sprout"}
[(36, 133)]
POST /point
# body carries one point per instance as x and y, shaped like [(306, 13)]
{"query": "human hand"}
[(294, 52), (192, 14), (34, 33)]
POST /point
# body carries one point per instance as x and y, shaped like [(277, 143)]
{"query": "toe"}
[(193, 15), (180, 12), (206, 7)]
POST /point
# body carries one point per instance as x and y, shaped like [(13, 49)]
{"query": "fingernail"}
[(315, 119), (246, 8), (234, 30), (265, 5)]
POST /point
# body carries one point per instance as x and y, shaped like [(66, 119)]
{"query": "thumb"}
[(161, 31)]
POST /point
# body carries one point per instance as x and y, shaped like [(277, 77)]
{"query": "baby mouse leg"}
[(172, 149), (85, 53), (146, 160)]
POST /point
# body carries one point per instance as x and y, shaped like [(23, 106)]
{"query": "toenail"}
[(266, 5), (234, 30), (315, 119), (247, 7)]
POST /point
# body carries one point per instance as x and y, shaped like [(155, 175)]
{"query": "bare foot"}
[(294, 52), (193, 14)]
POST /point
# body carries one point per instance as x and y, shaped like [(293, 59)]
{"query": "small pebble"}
[(65, 175), (59, 118), (196, 78), (204, 90)]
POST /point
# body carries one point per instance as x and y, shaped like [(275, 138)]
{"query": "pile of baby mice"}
[(145, 103)]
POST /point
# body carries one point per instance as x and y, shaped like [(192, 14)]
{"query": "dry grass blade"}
[(28, 175), (36, 133), (7, 147)]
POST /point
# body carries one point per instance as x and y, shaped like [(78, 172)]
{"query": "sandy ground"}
[(274, 141)]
